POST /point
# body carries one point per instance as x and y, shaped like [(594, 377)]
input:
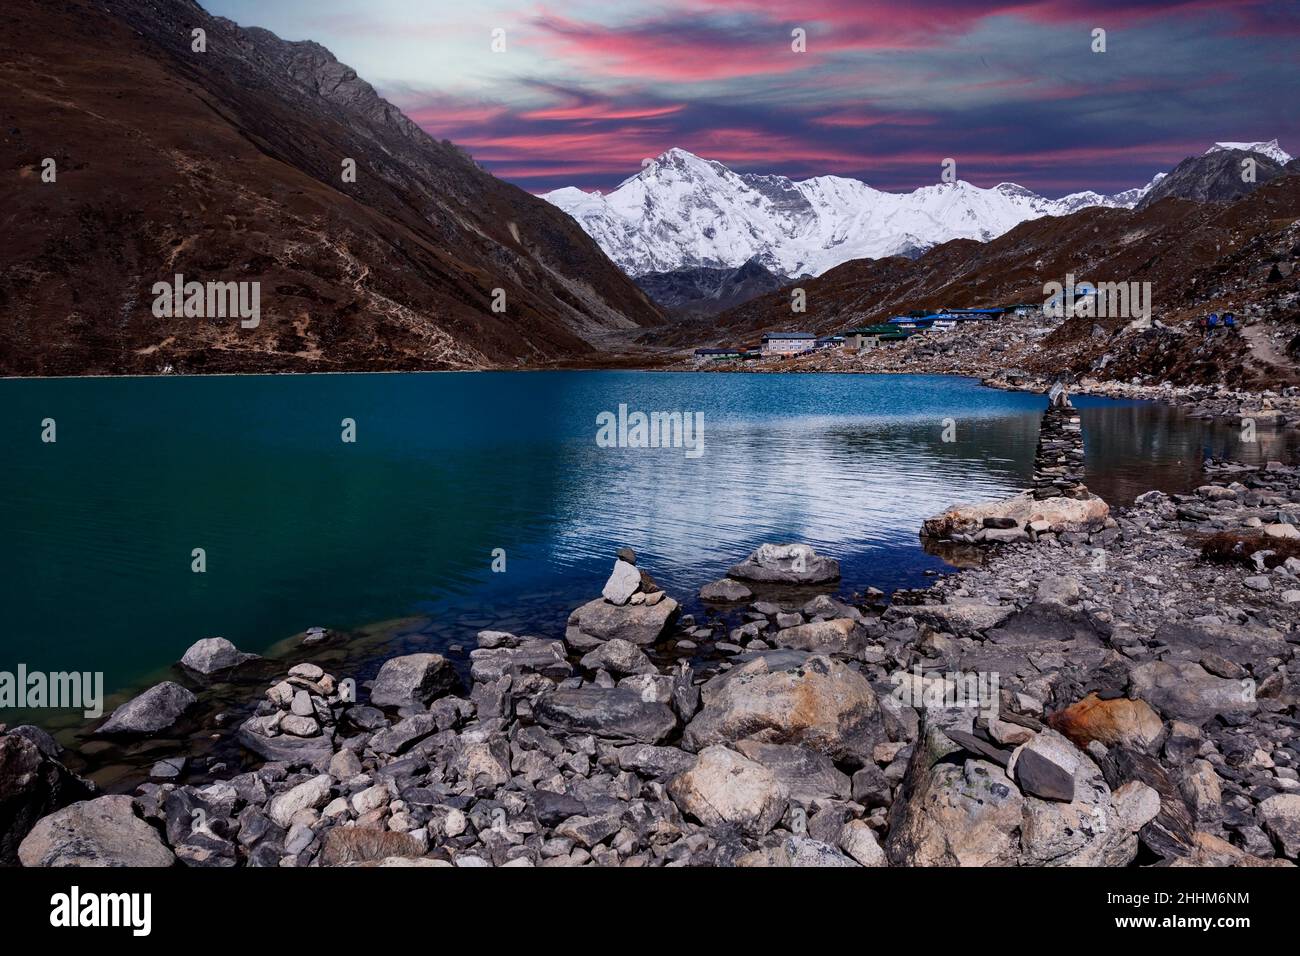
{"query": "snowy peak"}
[(1271, 149), (682, 211)]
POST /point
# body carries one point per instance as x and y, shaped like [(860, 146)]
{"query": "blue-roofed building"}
[(909, 322)]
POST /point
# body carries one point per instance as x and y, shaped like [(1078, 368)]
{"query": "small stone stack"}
[(1058, 464)]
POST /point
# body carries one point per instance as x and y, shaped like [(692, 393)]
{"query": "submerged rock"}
[(786, 564), (523, 656), (155, 710), (284, 748), (213, 654), (725, 589)]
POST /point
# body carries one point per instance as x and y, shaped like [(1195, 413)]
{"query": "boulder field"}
[(1118, 692)]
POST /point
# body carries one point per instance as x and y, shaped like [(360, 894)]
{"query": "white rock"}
[(372, 798), (622, 583), (859, 841), (308, 795)]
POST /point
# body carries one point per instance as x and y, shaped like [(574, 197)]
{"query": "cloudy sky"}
[(587, 89)]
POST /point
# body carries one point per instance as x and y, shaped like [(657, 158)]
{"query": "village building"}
[(1023, 310), (900, 322), (788, 343), (1058, 304), (871, 336), (704, 356)]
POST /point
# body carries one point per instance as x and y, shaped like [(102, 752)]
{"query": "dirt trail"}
[(1266, 352)]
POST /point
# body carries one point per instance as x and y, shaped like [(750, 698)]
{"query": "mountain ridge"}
[(682, 211)]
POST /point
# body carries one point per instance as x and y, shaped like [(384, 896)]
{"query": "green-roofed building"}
[(869, 336)]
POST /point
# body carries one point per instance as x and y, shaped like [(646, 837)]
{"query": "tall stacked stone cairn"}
[(1058, 464)]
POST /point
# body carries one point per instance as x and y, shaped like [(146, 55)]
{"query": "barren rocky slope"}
[(226, 165)]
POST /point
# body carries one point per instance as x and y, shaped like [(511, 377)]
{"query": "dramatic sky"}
[(587, 89)]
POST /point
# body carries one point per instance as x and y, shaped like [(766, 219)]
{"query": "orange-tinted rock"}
[(1118, 721)]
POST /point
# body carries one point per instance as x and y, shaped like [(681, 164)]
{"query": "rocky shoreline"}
[(971, 352), (1120, 694)]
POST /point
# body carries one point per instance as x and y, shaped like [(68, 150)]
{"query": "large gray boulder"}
[(838, 636), (727, 788), (806, 774), (1259, 649), (790, 697), (100, 832), (527, 656), (967, 617), (786, 564), (154, 711), (615, 713), (953, 810), (214, 654), (599, 621), (619, 657), (1187, 691), (412, 680), (1281, 816)]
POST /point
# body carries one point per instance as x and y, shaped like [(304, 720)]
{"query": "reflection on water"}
[(1130, 449), (302, 529)]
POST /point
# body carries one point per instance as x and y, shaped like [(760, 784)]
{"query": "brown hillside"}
[(226, 166)]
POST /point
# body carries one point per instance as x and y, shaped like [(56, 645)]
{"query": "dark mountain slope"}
[(1212, 177), (226, 166), (698, 292)]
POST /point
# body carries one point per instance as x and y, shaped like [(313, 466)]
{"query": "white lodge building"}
[(788, 343)]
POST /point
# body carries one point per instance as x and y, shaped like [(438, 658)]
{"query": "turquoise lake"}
[(301, 528)]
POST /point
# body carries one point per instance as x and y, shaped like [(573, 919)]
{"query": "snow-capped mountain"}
[(682, 211), (1270, 149)]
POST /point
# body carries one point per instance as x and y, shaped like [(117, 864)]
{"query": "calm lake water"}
[(301, 528)]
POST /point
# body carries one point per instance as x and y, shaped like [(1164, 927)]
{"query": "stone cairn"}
[(1058, 464)]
